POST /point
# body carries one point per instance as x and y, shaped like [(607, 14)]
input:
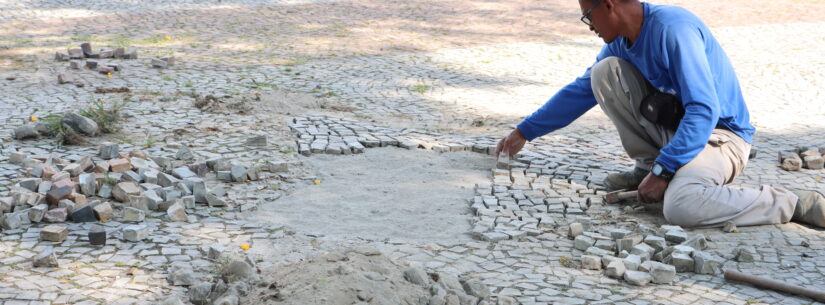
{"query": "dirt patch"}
[(225, 104), (406, 195)]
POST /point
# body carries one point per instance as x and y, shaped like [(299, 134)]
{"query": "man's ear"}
[(608, 4)]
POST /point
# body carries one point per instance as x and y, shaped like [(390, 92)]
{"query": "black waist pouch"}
[(662, 109)]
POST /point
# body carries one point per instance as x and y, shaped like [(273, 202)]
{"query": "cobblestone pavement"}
[(437, 75)]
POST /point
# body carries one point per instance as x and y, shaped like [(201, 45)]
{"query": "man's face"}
[(599, 18)]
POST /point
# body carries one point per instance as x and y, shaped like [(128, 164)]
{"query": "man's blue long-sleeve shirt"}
[(677, 54)]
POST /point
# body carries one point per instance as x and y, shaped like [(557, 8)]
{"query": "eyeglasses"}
[(586, 17)]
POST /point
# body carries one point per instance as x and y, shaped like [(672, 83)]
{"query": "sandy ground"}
[(384, 194)]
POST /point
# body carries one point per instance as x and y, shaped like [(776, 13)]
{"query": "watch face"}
[(657, 169)]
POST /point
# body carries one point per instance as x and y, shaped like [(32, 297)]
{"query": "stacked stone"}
[(643, 258), (85, 58), (804, 157), (87, 190)]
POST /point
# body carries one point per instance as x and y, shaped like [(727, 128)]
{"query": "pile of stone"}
[(643, 258), (71, 121), (804, 157), (85, 58), (91, 188), (236, 275)]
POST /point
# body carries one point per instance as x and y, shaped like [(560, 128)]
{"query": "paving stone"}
[(103, 212), (215, 251), (88, 184), (681, 261), (583, 242), (131, 214), (662, 273), (80, 123), (676, 236), (743, 255), (704, 263), (108, 150), (84, 214), (54, 233), (123, 190), (97, 235), (176, 212), (45, 259), (417, 276), (55, 195), (56, 215), (632, 262), (656, 242), (37, 212), (121, 165)]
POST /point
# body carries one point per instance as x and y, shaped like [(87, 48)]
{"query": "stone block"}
[(813, 162), (183, 173), (75, 64), (729, 227), (238, 173), (54, 196), (170, 60), (37, 212), (165, 180), (656, 242), (224, 176), (17, 157), (119, 165), (103, 212), (676, 236), (583, 242), (608, 245), (108, 150), (54, 233), (176, 212), (599, 252), (97, 236), (743, 255), (88, 184), (91, 64), (160, 64), (80, 123), (75, 53), (697, 242), (662, 273), (643, 250), (45, 259), (123, 190), (150, 201), (575, 230), (133, 54), (682, 262), (625, 244), (56, 215), (131, 214), (11, 221), (86, 48), (30, 183), (105, 191), (619, 234), (118, 52), (67, 204), (189, 201), (28, 131), (417, 276), (214, 200), (131, 176), (73, 169), (198, 187), (215, 251), (632, 262), (60, 56), (615, 269), (704, 263), (106, 53), (62, 78), (591, 262), (84, 214), (637, 278), (792, 164), (136, 233)]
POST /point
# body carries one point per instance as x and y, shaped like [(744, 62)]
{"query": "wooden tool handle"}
[(628, 195), (763, 282)]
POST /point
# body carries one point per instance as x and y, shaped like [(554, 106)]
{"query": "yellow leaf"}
[(64, 281), (167, 37), (33, 119), (313, 243), (245, 247), (317, 182), (109, 75)]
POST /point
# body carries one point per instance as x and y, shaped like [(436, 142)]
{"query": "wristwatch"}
[(660, 171)]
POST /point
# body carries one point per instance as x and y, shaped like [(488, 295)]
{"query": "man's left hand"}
[(652, 189)]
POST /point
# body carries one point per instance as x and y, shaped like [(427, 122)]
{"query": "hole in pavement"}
[(385, 193)]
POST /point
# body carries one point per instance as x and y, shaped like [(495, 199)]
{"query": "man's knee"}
[(600, 73), (683, 204)]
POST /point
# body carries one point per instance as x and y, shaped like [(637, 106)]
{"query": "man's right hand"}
[(511, 144)]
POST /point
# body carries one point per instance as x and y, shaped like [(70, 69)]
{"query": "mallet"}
[(616, 196), (763, 282)]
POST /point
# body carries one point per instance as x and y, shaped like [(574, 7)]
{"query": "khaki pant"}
[(696, 197)]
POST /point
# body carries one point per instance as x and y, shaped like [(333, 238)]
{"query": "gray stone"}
[(417, 276), (682, 262), (17, 157), (238, 173), (615, 269), (583, 242), (133, 214), (37, 212), (676, 236), (608, 245), (45, 259), (476, 288), (108, 150), (729, 227), (637, 278), (214, 201), (625, 244), (88, 184), (136, 233), (182, 275), (215, 251), (176, 212), (643, 250), (105, 191), (188, 202), (619, 234), (160, 64), (632, 262), (227, 299), (73, 169), (662, 273), (66, 77), (598, 252), (10, 221), (199, 294), (237, 270), (183, 173), (813, 162), (28, 131), (172, 300), (697, 242), (224, 176), (80, 124), (591, 262), (67, 204), (656, 242), (743, 255), (165, 180), (30, 183), (704, 263)]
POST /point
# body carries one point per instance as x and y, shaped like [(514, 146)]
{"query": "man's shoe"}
[(810, 208), (629, 180)]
